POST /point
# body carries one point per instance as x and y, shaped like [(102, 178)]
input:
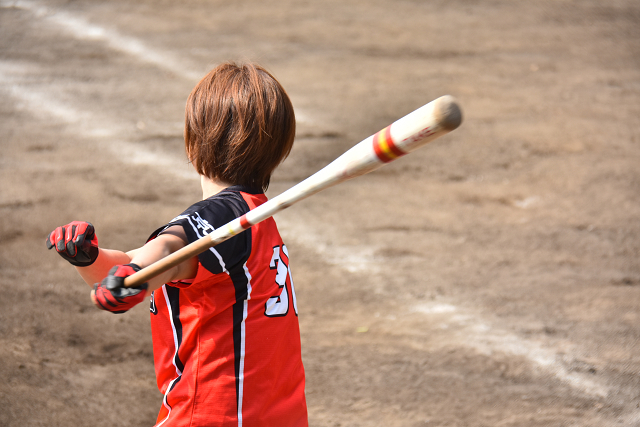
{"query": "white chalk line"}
[(478, 333), (485, 338), (81, 29), (41, 102), (473, 329)]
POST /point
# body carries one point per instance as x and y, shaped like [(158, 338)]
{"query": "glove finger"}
[(71, 249), (91, 234), (48, 242), (104, 298), (69, 232), (80, 233), (111, 299), (71, 246), (59, 239), (99, 299)]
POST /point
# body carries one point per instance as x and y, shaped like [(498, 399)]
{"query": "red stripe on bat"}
[(244, 222), (384, 157), (392, 145)]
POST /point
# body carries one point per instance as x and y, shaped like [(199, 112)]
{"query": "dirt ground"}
[(491, 278)]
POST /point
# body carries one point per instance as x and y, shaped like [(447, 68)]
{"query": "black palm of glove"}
[(111, 294), (76, 242)]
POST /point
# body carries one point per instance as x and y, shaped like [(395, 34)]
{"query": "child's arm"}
[(169, 241), (77, 243), (105, 269), (111, 295), (105, 261)]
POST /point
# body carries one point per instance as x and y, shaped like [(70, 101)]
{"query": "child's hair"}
[(239, 125)]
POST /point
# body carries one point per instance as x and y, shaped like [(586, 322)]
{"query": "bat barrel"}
[(418, 128), (403, 136)]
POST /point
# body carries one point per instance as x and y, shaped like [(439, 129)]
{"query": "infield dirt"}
[(491, 278)]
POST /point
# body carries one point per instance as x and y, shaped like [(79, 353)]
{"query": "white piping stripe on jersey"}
[(165, 403), (178, 218), (216, 253), (173, 328), (175, 342), (293, 288), (245, 313)]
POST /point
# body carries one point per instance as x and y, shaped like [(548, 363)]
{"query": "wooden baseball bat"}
[(403, 136)]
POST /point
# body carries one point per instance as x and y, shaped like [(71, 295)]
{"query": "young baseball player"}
[(225, 330)]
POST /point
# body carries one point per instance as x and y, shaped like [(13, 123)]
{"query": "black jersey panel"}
[(205, 216)]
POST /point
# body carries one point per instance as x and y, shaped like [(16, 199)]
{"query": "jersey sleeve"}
[(202, 218)]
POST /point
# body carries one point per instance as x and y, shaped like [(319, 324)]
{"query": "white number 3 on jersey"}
[(279, 305)]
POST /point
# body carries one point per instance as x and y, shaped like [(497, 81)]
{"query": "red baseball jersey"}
[(227, 345)]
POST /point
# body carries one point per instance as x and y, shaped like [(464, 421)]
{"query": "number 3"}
[(278, 306)]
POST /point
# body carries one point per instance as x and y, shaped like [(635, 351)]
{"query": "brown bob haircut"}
[(239, 125)]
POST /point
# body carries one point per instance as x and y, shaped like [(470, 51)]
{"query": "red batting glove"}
[(76, 242), (111, 295)]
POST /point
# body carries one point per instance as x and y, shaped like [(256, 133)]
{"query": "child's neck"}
[(211, 187)]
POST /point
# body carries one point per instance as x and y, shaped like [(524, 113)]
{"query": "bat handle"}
[(168, 262)]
